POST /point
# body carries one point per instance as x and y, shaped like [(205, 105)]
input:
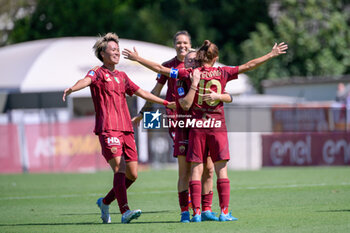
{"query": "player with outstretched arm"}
[(113, 126)]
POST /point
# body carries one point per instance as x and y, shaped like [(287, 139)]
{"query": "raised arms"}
[(134, 56), (82, 83), (252, 64)]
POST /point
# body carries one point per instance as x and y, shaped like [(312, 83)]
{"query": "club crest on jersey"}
[(181, 91), (114, 150), (116, 79), (108, 78), (182, 149), (91, 73)]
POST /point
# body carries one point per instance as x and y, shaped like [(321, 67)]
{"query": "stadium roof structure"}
[(51, 65)]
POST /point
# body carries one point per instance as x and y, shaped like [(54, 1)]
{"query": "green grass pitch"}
[(314, 199)]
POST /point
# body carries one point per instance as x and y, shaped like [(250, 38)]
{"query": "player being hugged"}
[(113, 126)]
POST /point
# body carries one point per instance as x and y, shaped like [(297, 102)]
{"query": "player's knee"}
[(210, 171)]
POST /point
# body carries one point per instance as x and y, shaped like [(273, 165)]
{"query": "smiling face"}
[(111, 55), (182, 45)]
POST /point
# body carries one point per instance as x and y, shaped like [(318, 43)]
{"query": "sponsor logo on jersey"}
[(158, 76), (91, 73), (151, 120), (116, 79), (113, 141), (181, 91)]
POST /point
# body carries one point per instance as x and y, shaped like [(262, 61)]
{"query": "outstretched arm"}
[(155, 99), (134, 56), (82, 83), (276, 51)]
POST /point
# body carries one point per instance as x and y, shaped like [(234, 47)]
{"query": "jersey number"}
[(205, 90)]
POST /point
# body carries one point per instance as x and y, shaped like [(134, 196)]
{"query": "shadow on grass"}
[(115, 213), (334, 211), (82, 223)]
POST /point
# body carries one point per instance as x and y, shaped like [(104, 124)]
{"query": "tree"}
[(318, 36), (10, 11), (149, 20)]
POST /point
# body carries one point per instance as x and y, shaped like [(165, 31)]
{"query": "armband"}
[(173, 73)]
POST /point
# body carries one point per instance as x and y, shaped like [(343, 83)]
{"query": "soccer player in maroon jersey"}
[(182, 44), (113, 125), (181, 143), (181, 146), (214, 137)]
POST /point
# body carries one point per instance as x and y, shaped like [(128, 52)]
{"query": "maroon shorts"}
[(181, 141), (118, 143), (204, 141)]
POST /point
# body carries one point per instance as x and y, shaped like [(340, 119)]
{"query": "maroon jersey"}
[(170, 94), (108, 89), (162, 79), (214, 78), (181, 89)]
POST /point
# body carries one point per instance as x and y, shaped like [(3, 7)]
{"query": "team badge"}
[(182, 149), (114, 150)]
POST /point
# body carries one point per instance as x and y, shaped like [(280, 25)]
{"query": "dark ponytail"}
[(207, 52)]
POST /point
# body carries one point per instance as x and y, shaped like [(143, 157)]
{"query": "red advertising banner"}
[(306, 149), (300, 119), (64, 147), (10, 160)]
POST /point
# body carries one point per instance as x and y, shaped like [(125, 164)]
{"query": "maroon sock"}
[(183, 200), (120, 191), (109, 198), (207, 200), (128, 182), (196, 192), (223, 186)]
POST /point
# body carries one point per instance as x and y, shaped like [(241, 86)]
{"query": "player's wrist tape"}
[(165, 103), (173, 73)]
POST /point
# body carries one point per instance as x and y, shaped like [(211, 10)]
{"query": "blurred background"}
[(291, 111)]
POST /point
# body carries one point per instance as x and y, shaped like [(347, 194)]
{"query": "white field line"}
[(173, 191)]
